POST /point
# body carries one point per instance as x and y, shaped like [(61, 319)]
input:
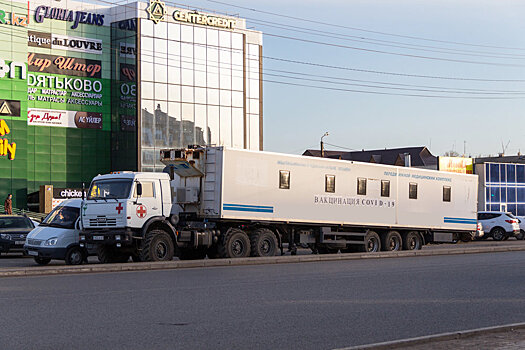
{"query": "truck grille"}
[(102, 221), (31, 241)]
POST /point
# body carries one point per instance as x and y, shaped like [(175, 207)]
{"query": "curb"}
[(396, 344), (171, 265)]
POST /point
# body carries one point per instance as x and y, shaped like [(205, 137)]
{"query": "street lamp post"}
[(322, 143)]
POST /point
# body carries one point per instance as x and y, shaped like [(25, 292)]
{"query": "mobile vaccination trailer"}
[(250, 202)]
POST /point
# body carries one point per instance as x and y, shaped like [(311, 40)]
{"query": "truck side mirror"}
[(139, 189)]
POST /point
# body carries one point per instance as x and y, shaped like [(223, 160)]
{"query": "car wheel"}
[(520, 236), (74, 256), (498, 234), (42, 261)]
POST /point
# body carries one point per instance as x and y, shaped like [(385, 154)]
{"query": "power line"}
[(364, 30)]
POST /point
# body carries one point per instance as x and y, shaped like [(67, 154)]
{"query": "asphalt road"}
[(18, 260), (301, 306)]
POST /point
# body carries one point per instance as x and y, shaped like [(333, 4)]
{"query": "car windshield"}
[(110, 189), (15, 222), (62, 216)]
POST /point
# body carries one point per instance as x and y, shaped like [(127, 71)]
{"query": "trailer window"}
[(412, 190), (385, 188), (446, 193), (329, 183), (284, 179), (361, 186)]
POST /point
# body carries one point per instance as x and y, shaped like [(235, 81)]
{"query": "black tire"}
[(372, 243), (235, 244), (466, 237), (157, 246), (391, 241), (191, 254), (105, 254), (263, 243), (121, 257), (497, 233), (74, 256), (213, 252), (135, 258), (520, 236), (412, 241), (42, 261)]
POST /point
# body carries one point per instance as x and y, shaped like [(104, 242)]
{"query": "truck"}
[(221, 202)]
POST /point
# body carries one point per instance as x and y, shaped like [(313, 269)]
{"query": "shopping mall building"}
[(87, 89)]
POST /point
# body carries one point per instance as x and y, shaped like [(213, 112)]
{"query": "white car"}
[(498, 224), (521, 235)]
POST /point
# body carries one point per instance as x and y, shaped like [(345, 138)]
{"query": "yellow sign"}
[(197, 18), (456, 165), (6, 149), (4, 109), (156, 10)]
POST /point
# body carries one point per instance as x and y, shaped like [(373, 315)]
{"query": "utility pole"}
[(322, 144)]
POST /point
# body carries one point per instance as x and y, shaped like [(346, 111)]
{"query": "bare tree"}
[(451, 153)]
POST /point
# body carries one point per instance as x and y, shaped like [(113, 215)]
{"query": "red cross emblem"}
[(141, 211), (119, 208)]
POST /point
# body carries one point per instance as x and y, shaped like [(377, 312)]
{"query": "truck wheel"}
[(157, 246), (235, 244), (213, 252), (412, 241), (105, 254), (74, 256), (391, 241), (466, 237), (192, 254), (263, 243), (42, 261), (372, 243), (497, 234)]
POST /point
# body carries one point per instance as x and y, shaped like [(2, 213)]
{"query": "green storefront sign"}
[(55, 102)]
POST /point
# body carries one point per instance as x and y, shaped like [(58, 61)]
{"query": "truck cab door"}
[(148, 204)]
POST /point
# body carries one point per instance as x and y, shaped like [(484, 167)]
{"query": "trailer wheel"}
[(191, 254), (391, 241), (372, 243), (157, 246), (263, 243), (412, 241), (235, 244)]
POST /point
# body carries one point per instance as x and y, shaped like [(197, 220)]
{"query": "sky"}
[(484, 116)]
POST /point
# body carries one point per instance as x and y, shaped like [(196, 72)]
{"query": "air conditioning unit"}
[(187, 195)]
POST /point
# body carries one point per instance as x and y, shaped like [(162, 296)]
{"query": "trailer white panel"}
[(245, 185)]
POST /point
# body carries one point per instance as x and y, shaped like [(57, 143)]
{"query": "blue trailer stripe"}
[(460, 221), (250, 208)]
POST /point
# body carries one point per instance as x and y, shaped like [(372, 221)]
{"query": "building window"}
[(329, 183), (385, 188), (361, 186), (284, 179), (446, 193), (412, 190)]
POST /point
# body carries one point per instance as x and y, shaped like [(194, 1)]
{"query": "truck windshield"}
[(62, 216), (110, 189)]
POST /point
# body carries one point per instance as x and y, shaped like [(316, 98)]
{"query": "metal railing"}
[(31, 214)]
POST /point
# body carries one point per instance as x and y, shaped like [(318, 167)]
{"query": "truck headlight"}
[(82, 238), (5, 236), (51, 241)]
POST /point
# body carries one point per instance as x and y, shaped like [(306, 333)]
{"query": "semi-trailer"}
[(227, 203)]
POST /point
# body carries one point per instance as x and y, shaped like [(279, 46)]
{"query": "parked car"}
[(57, 237), (13, 232), (498, 224), (521, 220)]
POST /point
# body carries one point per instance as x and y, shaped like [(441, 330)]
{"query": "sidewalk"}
[(506, 340)]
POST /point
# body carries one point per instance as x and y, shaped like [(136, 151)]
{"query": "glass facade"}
[(505, 187), (198, 86)]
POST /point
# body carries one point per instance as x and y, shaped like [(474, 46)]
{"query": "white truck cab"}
[(121, 208)]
